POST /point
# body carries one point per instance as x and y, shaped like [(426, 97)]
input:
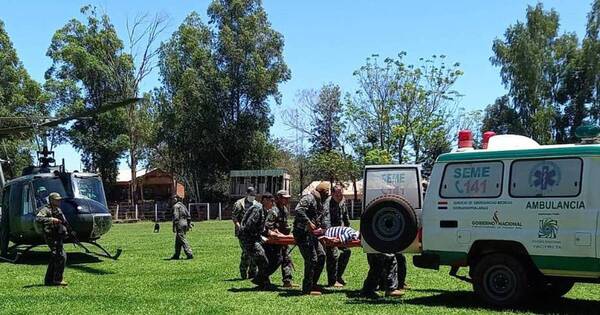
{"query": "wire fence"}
[(200, 211)]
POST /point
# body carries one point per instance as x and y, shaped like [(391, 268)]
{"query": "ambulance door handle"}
[(448, 224), (583, 239)]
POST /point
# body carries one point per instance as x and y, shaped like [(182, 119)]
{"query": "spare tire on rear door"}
[(389, 224)]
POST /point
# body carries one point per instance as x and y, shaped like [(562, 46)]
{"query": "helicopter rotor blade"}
[(104, 108)]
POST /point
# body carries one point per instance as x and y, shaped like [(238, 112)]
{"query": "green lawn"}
[(143, 282)]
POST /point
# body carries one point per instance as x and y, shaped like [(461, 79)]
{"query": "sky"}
[(325, 41)]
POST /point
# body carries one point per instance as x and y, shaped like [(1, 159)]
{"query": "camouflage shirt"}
[(277, 219), (309, 208), (338, 213), (239, 209), (253, 224), (45, 216), (181, 217)]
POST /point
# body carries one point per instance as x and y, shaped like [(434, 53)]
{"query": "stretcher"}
[(289, 240)]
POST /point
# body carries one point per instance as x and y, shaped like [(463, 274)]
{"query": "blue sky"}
[(325, 41)]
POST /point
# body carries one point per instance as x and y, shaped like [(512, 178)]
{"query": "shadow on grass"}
[(90, 270), (42, 258), (468, 300), (253, 289), (234, 280), (355, 297)]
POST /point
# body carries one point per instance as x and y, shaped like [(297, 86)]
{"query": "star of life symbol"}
[(545, 175)]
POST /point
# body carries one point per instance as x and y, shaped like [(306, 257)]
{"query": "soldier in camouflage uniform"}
[(182, 223), (253, 233), (337, 257), (277, 220), (55, 232), (247, 269), (310, 216)]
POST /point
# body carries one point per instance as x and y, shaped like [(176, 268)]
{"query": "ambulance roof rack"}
[(589, 133)]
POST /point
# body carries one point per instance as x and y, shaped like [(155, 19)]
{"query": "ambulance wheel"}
[(389, 224), (552, 287), (500, 280)]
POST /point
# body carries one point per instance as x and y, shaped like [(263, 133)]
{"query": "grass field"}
[(143, 282)]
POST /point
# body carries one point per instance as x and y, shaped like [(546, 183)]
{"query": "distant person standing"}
[(182, 223), (310, 216), (247, 269), (55, 232), (337, 257), (277, 220)]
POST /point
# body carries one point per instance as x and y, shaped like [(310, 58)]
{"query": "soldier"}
[(247, 269), (382, 273), (252, 234), (337, 257), (182, 223), (277, 220), (310, 216), (55, 232)]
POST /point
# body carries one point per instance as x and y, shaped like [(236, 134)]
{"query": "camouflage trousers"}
[(383, 273), (58, 260), (266, 258), (314, 259), (287, 266), (182, 242), (336, 262), (247, 266)]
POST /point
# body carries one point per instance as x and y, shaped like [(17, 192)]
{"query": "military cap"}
[(54, 196), (323, 186), (283, 194), (250, 191)]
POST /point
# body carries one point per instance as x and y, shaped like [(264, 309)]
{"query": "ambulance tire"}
[(500, 280), (389, 224), (552, 287)]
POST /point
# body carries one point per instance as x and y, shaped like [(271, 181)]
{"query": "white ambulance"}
[(523, 217)]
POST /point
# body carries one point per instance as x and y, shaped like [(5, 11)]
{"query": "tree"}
[(20, 97), (142, 34), (400, 108), (534, 61), (327, 125), (225, 75), (89, 68), (501, 118)]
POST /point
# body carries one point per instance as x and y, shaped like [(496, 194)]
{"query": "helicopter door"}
[(28, 212)]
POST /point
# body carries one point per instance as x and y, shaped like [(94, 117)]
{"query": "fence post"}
[(219, 211), (136, 212), (352, 207), (117, 212), (208, 212), (155, 212)]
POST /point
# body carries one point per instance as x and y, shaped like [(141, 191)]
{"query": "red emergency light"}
[(465, 139), (486, 138)]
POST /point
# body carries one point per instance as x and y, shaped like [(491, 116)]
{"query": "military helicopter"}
[(83, 204)]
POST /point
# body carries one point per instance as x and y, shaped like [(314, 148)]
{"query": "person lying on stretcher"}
[(338, 236)]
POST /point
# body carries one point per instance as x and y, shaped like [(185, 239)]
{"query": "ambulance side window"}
[(546, 178), (472, 180)]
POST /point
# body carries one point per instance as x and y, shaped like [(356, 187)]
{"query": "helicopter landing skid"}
[(8, 260), (105, 253)]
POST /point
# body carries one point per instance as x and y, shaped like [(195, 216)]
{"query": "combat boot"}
[(289, 284), (394, 293)]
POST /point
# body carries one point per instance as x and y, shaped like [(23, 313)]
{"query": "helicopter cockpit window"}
[(90, 188), (44, 186), (26, 200)]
